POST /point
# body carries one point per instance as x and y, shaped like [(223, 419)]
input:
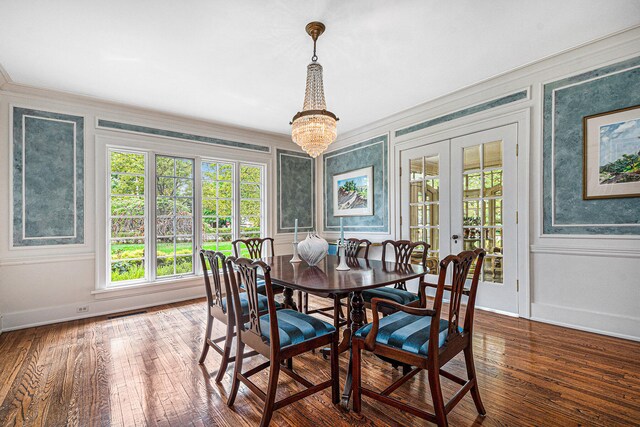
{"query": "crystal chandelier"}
[(314, 128)]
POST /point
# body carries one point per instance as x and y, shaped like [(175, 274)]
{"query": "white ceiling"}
[(244, 62)]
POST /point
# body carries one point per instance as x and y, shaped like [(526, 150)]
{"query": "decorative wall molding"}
[(498, 102), (373, 152), (590, 251), (47, 178), (566, 102), (164, 133), (296, 181), (46, 259)]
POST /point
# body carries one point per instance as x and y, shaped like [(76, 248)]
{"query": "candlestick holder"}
[(295, 257), (343, 258)]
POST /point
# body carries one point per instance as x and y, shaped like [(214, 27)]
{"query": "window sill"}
[(146, 288)]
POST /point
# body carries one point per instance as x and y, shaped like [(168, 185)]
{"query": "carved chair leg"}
[(335, 370), (274, 371), (471, 373), (300, 305), (237, 369), (207, 335), (357, 376), (436, 393), (306, 303), (224, 363)]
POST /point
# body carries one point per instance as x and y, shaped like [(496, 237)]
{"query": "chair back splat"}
[(246, 273), (354, 247), (254, 247), (212, 262)]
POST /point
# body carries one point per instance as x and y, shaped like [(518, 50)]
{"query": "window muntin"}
[(127, 216), (174, 216)]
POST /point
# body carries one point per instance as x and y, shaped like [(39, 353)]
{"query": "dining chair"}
[(254, 248), (354, 248), (423, 338), (278, 335), (220, 307), (403, 251)]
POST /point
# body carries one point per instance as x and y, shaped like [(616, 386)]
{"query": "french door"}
[(461, 194)]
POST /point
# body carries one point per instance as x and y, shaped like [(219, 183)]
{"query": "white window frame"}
[(153, 147)]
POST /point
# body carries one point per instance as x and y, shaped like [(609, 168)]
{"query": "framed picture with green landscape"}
[(353, 193), (612, 154)]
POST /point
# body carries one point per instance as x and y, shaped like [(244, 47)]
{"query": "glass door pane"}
[(483, 210)]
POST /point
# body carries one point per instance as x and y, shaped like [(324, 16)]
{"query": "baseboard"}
[(64, 313), (618, 326)]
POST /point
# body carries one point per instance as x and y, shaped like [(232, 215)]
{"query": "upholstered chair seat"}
[(295, 327), (406, 332), (396, 295)]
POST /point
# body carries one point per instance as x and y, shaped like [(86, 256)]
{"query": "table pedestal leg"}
[(288, 299), (357, 321)]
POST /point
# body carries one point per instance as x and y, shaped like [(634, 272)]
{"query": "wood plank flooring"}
[(143, 370)]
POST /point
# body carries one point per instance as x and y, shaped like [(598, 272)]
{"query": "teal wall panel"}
[(48, 178), (373, 152), (566, 102), (296, 191)]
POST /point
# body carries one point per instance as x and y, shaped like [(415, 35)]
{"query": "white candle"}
[(341, 231), (295, 231)]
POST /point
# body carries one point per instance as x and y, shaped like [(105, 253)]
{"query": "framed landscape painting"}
[(612, 154), (353, 193)]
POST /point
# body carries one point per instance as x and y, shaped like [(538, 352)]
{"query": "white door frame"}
[(522, 119)]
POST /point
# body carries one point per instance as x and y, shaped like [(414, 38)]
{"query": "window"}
[(217, 206), (250, 201), (127, 216), (224, 199), (174, 216)]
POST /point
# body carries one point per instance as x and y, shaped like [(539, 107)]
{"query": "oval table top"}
[(325, 280)]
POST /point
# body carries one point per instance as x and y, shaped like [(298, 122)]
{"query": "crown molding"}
[(4, 77), (107, 106)]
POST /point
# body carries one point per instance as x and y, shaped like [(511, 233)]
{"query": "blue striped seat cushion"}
[(405, 331), (295, 327), (262, 303), (397, 295)]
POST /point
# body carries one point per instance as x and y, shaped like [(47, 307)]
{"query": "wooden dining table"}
[(325, 281)]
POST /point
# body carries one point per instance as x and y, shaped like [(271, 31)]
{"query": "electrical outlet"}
[(82, 309)]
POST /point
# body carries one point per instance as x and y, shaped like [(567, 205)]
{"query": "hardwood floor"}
[(143, 370)]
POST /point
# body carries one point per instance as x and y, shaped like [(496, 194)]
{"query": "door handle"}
[(455, 237)]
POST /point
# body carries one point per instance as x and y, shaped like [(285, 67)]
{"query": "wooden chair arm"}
[(424, 285), (370, 340)]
